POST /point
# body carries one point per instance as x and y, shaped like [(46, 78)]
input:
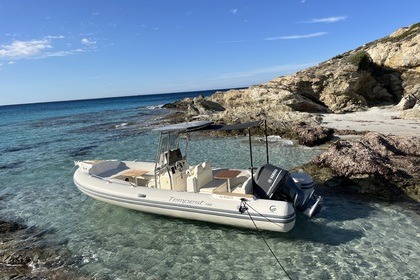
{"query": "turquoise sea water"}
[(352, 239)]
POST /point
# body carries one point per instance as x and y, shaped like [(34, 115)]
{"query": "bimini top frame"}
[(209, 126), (183, 127)]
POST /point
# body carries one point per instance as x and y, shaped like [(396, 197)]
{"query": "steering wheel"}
[(179, 166)]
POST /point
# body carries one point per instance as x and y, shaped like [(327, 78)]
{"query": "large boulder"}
[(386, 166), (407, 102), (312, 134)]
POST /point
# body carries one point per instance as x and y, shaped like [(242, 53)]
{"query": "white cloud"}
[(293, 37), (234, 11), (22, 49), (39, 49), (55, 37), (328, 19), (87, 42), (56, 54)]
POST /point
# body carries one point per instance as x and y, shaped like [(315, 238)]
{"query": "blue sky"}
[(53, 50)]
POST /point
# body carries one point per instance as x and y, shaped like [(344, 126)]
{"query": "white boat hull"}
[(222, 209)]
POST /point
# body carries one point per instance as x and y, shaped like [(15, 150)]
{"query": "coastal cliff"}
[(382, 74), (379, 73)]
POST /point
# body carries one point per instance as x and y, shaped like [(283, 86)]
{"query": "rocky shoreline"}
[(380, 162), (385, 167)]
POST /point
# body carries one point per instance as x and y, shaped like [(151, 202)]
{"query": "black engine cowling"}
[(272, 182)]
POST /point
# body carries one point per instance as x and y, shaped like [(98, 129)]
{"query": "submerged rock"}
[(386, 166), (24, 254), (9, 227)]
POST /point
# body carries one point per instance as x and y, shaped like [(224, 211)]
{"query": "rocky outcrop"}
[(378, 73), (412, 114), (24, 254), (196, 106), (401, 53), (311, 134), (386, 166), (407, 102)]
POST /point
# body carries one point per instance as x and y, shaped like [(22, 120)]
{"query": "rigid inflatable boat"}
[(264, 198)]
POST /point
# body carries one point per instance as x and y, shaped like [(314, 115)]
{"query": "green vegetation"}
[(413, 29), (361, 59)]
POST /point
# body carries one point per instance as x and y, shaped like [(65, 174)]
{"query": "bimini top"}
[(204, 125), (183, 127)]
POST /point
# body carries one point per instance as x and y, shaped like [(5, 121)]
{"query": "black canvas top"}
[(183, 127), (204, 125)]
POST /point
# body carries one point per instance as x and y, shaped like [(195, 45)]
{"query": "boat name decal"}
[(189, 201)]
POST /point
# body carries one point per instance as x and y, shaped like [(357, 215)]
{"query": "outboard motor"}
[(276, 183)]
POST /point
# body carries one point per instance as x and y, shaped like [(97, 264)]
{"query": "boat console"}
[(172, 171)]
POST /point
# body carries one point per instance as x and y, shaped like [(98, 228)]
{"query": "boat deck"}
[(220, 181)]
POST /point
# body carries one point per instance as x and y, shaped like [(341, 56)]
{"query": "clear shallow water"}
[(351, 239)]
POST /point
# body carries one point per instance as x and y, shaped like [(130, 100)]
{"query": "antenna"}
[(250, 153), (266, 139)]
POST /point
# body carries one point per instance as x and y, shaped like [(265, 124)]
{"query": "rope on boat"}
[(71, 170), (244, 207), (257, 213)]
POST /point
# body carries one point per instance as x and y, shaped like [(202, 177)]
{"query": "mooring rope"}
[(71, 170), (262, 215), (243, 208)]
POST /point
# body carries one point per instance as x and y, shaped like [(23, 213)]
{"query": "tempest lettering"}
[(186, 201)]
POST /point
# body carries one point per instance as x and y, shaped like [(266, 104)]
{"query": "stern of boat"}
[(275, 183)]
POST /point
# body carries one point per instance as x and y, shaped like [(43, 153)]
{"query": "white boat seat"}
[(244, 188), (199, 176), (214, 186)]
